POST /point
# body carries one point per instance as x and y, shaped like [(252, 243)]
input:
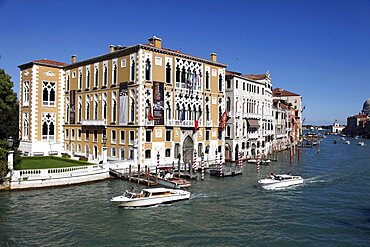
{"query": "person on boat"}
[(288, 173), (273, 176), (132, 190)]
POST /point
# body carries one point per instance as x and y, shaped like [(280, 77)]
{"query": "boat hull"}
[(270, 184), (123, 201)]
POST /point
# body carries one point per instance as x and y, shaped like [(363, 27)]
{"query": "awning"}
[(253, 123)]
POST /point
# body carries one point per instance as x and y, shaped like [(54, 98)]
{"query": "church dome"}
[(366, 107)]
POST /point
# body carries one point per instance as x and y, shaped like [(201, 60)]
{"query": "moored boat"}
[(150, 197), (347, 142), (166, 178), (361, 143), (279, 181)]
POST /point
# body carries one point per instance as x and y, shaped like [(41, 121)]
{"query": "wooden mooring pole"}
[(138, 173), (129, 173)]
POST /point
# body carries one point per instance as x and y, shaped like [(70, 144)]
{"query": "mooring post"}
[(202, 166), (129, 173), (179, 158), (156, 175), (148, 176), (290, 154), (299, 154), (138, 173)]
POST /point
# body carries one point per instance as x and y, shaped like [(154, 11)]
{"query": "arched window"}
[(178, 112), (228, 130), (67, 84), (147, 154), (26, 92), (183, 75), (67, 111), (114, 106), (132, 74), (168, 110), (104, 105), (178, 72), (87, 77), (207, 79), (48, 93), (48, 126), (207, 113), (79, 110), (96, 78), (96, 106), (168, 153), (79, 79), (132, 106), (114, 76), (25, 126), (87, 107), (105, 76), (228, 104), (220, 82), (147, 69), (168, 73)]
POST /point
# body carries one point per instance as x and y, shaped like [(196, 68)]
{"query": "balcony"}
[(94, 122), (187, 123)]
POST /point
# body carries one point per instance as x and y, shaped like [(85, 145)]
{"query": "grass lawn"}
[(49, 162)]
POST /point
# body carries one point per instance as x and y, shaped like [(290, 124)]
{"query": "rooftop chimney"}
[(111, 48), (73, 58), (155, 41), (213, 57)]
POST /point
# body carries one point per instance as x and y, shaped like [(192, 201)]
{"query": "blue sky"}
[(319, 49)]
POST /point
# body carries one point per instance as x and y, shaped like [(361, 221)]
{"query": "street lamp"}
[(10, 142), (105, 149), (10, 154)]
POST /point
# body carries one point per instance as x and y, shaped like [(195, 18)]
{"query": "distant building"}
[(337, 128), (296, 115), (358, 124), (281, 111)]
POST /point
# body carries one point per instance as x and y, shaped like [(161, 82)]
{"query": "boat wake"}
[(318, 179), (197, 196)]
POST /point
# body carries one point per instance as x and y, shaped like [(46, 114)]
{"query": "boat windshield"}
[(129, 194)]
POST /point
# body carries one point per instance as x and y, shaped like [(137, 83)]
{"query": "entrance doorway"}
[(188, 150)]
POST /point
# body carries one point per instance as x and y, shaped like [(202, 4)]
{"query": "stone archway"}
[(188, 150), (236, 152), (227, 152)]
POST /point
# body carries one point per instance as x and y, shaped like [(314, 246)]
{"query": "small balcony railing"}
[(94, 122)]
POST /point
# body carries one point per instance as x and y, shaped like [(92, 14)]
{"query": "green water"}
[(331, 208)]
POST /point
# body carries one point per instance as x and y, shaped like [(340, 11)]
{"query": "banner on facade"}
[(72, 111), (123, 103), (158, 103)]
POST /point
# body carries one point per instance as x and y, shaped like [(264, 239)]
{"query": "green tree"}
[(9, 117)]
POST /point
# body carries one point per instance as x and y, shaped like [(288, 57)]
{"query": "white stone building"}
[(249, 130)]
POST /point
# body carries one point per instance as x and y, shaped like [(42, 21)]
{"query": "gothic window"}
[(48, 126), (207, 113), (207, 79), (25, 126), (183, 75), (168, 73), (220, 82), (79, 110), (219, 113), (147, 154), (178, 72), (168, 110), (132, 106), (147, 69), (105, 76), (26, 93), (178, 112), (132, 76), (87, 107), (96, 106), (67, 84), (67, 111), (96, 78), (104, 105), (48, 93), (87, 77), (114, 107), (79, 79), (122, 153), (228, 131), (114, 76), (228, 104), (168, 152)]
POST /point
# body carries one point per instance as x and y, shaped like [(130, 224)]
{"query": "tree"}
[(9, 118)]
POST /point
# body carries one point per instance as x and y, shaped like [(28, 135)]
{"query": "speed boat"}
[(347, 142), (361, 143), (150, 197), (279, 181)]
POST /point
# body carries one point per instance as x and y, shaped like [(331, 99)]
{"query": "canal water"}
[(331, 208)]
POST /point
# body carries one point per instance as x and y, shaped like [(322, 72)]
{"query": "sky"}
[(318, 49)]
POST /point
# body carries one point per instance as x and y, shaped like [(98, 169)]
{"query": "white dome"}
[(366, 107)]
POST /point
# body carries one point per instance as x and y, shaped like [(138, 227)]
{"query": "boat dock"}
[(140, 176)]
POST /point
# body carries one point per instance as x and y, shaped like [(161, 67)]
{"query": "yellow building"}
[(145, 99)]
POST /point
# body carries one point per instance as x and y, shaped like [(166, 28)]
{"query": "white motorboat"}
[(167, 179), (347, 142), (252, 161), (361, 143), (150, 197), (278, 181)]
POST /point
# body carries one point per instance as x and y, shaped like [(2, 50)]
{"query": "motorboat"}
[(279, 181), (343, 139), (167, 179), (347, 142), (361, 143), (252, 161), (356, 137), (150, 197)]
